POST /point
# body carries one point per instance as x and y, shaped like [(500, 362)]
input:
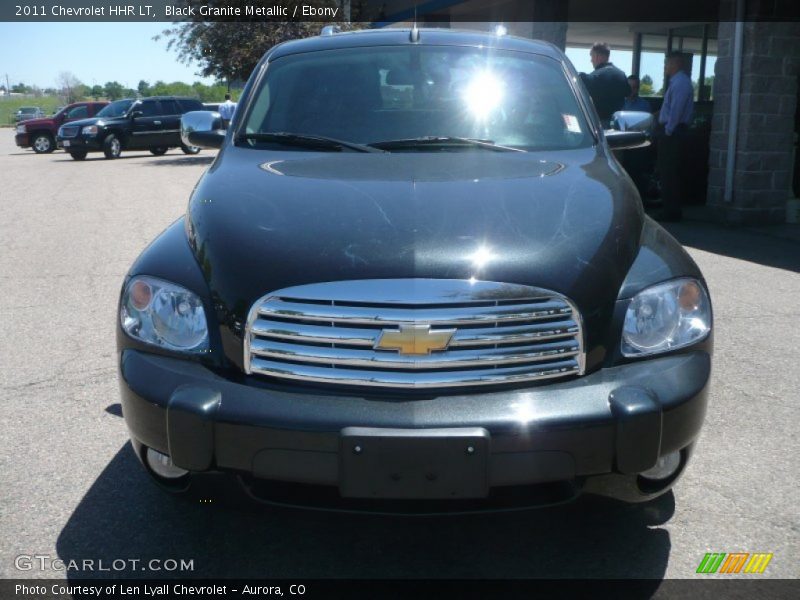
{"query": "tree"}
[(114, 90), (709, 82), (97, 91), (20, 88), (143, 88), (646, 86), (230, 51), (159, 88), (69, 86)]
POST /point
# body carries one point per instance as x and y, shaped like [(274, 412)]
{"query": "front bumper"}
[(22, 140), (614, 422), (78, 143)]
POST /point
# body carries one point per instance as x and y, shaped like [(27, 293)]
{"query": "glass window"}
[(79, 112), (149, 108), (393, 93), (115, 109), (187, 104), (170, 107)]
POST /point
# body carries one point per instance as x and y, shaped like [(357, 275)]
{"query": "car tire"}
[(112, 146), (78, 154), (43, 143), (190, 149), (158, 150)]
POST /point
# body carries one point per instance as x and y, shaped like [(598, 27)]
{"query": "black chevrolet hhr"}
[(415, 278)]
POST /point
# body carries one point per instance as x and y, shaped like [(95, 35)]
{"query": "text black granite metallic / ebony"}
[(415, 279)]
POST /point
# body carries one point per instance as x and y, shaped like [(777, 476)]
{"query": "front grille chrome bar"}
[(441, 316), (328, 333), (412, 380)]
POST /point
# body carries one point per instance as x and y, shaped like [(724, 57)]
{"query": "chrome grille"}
[(327, 333), (69, 132)]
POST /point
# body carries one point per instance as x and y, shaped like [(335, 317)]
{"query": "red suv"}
[(40, 134)]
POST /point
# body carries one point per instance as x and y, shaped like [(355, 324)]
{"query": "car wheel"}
[(43, 143), (78, 154), (158, 150), (190, 149), (112, 147)]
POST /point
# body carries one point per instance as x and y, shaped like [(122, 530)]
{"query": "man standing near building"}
[(607, 85), (674, 119), (635, 101), (226, 110)]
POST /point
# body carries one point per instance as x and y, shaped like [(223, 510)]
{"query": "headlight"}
[(89, 130), (164, 314), (20, 128), (665, 317)]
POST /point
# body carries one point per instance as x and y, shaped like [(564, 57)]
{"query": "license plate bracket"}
[(414, 463)]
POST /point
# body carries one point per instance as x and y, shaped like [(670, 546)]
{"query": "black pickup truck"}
[(146, 124)]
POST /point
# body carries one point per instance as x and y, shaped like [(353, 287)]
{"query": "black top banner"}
[(386, 12)]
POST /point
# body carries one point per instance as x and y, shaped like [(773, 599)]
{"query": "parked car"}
[(40, 134), (147, 124), (448, 299), (212, 106), (28, 112)]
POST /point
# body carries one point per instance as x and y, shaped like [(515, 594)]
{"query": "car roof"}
[(427, 36), (170, 98)]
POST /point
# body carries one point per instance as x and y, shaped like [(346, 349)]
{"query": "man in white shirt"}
[(226, 110)]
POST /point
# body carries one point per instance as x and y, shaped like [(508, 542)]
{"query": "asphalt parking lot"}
[(70, 487)]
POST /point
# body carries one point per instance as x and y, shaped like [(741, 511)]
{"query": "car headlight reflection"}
[(164, 314), (666, 317), (89, 130)]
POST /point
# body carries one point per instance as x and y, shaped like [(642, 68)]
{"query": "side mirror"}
[(202, 128), (632, 120), (136, 113), (629, 130), (626, 140)]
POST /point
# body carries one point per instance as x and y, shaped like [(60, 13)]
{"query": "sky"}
[(35, 53)]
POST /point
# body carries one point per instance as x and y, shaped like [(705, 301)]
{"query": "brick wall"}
[(767, 103)]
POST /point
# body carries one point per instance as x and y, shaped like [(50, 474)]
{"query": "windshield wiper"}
[(305, 141), (433, 140)]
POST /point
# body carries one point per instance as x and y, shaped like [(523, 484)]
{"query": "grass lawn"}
[(8, 106)]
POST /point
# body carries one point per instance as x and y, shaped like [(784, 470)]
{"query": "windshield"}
[(115, 109), (404, 93)]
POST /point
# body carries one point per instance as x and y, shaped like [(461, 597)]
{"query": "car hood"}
[(40, 122), (96, 121), (566, 221)]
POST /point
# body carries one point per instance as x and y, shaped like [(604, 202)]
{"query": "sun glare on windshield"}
[(483, 94)]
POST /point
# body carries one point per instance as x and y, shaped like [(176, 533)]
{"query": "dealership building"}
[(746, 161)]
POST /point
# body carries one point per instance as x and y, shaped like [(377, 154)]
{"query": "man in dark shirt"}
[(607, 85)]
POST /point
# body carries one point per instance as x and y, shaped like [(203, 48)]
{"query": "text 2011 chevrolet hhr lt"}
[(415, 278)]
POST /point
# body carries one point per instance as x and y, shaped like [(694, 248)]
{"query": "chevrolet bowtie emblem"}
[(414, 339)]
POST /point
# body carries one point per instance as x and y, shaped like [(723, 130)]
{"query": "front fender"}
[(661, 257)]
